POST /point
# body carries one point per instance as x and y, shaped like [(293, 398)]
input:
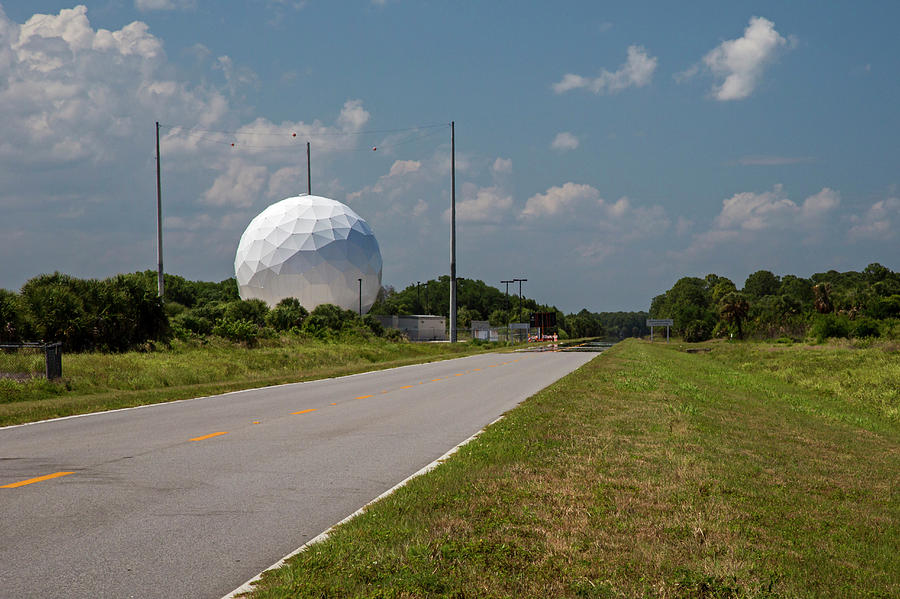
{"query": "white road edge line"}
[(248, 586), (177, 401)]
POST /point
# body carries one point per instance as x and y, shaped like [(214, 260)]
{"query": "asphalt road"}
[(192, 498)]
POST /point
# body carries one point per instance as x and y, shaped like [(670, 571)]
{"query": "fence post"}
[(53, 360)]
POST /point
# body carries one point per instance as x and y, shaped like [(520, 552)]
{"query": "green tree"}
[(733, 309), (761, 283)]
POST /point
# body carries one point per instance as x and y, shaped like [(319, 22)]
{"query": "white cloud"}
[(404, 167), (240, 185), (502, 166), (482, 205), (880, 222), (820, 204), (564, 141), (773, 209), (558, 199), (754, 211), (637, 71), (353, 116), (740, 62), (145, 5)]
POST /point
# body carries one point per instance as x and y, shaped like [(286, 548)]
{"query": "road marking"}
[(406, 387), (493, 365), (256, 422), (475, 369), (304, 411), (210, 436), (364, 397), (436, 380), (460, 374), (334, 403), (22, 483)]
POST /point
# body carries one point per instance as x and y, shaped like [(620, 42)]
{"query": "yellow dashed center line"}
[(406, 387), (209, 436), (334, 403), (304, 411), (22, 483), (460, 374), (364, 397), (476, 369), (436, 380)]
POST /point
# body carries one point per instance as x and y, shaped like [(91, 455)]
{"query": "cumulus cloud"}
[(880, 222), (773, 209), (740, 63), (404, 167), (564, 141), (558, 199), (502, 166), (240, 185), (483, 205), (637, 71), (353, 116)]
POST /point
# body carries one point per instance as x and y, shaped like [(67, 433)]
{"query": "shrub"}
[(253, 310), (193, 322), (288, 314), (237, 330), (374, 325), (826, 326), (865, 327), (696, 331)]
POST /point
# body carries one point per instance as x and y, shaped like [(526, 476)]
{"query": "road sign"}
[(660, 322)]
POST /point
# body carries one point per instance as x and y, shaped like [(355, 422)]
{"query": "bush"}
[(327, 319), (253, 310), (374, 325), (237, 330), (865, 327), (826, 326), (696, 331), (288, 314), (193, 322)]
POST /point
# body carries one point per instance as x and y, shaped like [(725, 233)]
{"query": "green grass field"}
[(753, 470), (94, 381)]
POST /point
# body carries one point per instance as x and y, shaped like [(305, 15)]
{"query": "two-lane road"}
[(192, 498)]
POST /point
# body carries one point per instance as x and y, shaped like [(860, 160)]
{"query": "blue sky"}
[(603, 151)]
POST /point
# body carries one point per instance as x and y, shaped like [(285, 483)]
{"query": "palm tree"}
[(733, 309)]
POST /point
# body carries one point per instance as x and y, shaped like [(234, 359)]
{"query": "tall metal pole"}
[(507, 305), (452, 231), (360, 297), (160, 281), (308, 174)]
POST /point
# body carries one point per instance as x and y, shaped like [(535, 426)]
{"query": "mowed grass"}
[(749, 471), (94, 381)]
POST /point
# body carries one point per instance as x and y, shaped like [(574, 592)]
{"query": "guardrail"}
[(52, 356)]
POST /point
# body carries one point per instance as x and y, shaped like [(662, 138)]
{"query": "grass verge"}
[(94, 382), (748, 471)]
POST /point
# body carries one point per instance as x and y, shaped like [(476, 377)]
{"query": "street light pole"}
[(507, 306), (159, 248), (452, 231), (360, 297)]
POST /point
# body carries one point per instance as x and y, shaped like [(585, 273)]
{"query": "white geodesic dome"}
[(312, 248)]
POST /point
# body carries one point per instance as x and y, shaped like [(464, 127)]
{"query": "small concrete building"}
[(418, 327)]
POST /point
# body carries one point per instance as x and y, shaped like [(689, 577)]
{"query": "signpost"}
[(660, 322)]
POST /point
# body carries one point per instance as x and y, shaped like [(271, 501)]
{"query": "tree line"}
[(828, 304), (124, 312)]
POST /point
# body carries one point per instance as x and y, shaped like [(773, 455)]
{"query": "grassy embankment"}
[(93, 382), (754, 470)]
